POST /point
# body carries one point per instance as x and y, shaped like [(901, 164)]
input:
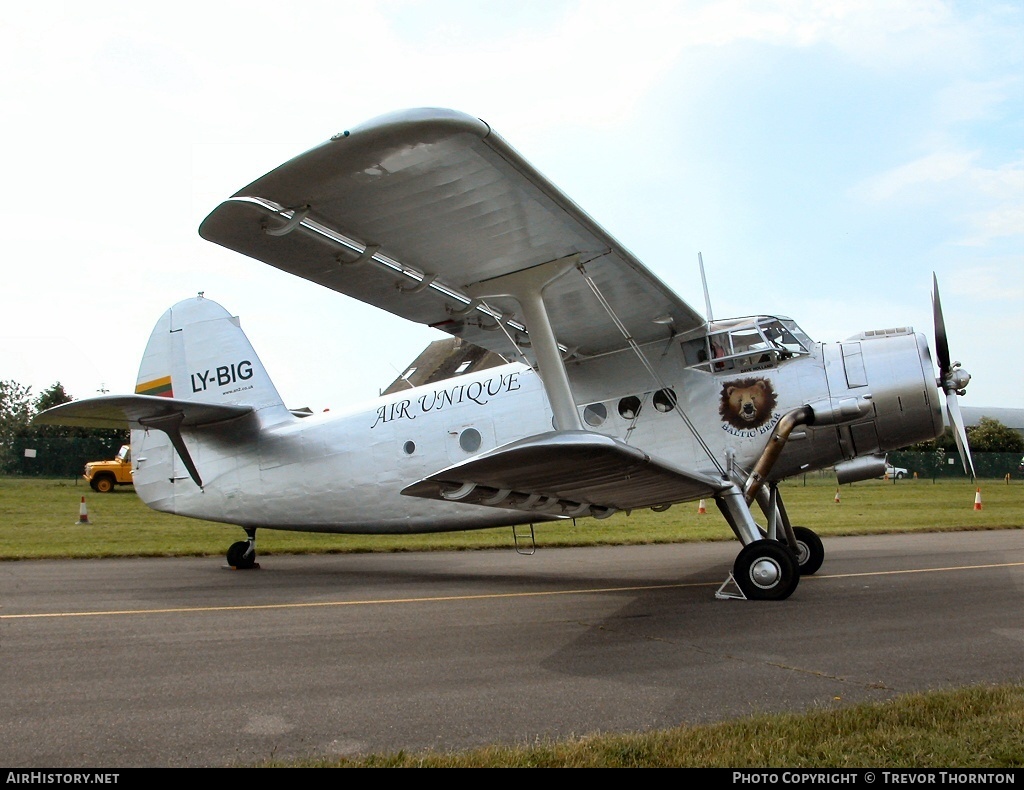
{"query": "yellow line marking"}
[(480, 597)]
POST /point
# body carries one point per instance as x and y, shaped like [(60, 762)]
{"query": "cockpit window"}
[(746, 344)]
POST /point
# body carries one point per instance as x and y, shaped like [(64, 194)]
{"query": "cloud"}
[(921, 174), (1002, 283), (976, 100), (987, 201)]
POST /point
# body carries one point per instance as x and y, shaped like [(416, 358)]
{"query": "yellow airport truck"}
[(104, 475)]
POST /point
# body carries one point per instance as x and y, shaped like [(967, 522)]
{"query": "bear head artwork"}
[(747, 403)]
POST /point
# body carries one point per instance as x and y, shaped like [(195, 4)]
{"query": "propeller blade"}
[(956, 422), (952, 380), (941, 343)]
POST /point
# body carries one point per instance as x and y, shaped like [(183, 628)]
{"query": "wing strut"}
[(646, 363), (527, 287), (171, 425)]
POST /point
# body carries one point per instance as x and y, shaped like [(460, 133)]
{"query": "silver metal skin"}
[(617, 395), (765, 573)]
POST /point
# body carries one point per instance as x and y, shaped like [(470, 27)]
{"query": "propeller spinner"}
[(952, 381)]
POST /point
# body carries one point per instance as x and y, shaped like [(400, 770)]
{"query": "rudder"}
[(198, 351)]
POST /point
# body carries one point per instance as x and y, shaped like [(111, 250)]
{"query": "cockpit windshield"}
[(752, 343)]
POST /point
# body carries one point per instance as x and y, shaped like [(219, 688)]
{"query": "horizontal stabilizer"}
[(137, 411), (566, 473), (169, 415)]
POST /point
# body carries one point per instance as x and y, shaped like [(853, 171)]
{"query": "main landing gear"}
[(809, 551), (772, 560), (766, 570), (242, 555)]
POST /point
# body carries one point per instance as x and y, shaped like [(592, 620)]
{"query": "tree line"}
[(47, 450), (988, 436)]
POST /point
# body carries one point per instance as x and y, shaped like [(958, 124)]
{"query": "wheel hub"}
[(765, 573)]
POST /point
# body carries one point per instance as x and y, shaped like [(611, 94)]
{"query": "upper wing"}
[(409, 211)]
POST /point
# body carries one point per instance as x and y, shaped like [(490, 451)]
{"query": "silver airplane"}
[(615, 395)]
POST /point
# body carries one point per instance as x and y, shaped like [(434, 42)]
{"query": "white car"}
[(897, 472)]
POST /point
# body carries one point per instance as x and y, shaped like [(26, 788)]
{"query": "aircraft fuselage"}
[(344, 471)]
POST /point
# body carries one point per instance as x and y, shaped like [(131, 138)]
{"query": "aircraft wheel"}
[(766, 570), (809, 551), (236, 555)]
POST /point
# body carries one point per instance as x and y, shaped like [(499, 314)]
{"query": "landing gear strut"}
[(772, 560), (242, 555), (766, 569), (804, 542)]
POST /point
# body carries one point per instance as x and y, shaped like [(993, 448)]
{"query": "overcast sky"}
[(824, 157)]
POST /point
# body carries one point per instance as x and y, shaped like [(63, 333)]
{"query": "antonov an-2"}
[(616, 395)]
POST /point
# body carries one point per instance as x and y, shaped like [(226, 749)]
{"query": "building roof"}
[(1010, 417), (444, 359)]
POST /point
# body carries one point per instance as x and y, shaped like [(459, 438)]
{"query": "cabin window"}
[(409, 447), (629, 407), (469, 440), (752, 343), (664, 400), (595, 414)]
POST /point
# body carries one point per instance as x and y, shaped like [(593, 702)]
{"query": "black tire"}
[(236, 556), (103, 484), (766, 570), (809, 551)]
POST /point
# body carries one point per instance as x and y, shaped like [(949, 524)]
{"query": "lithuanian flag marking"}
[(160, 387)]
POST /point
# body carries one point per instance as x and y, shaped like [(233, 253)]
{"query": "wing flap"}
[(433, 202), (567, 473)]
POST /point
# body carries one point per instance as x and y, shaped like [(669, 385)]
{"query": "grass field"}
[(38, 520), (963, 728)]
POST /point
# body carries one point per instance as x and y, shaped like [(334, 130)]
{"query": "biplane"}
[(614, 393)]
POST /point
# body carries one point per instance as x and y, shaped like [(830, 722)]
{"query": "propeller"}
[(952, 380)]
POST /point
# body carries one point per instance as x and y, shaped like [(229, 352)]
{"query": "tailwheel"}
[(242, 555), (766, 570), (810, 553)]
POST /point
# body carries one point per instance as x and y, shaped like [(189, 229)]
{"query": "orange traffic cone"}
[(83, 513), (977, 500), (701, 509), (837, 496)]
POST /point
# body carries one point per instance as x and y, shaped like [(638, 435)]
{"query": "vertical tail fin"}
[(198, 352)]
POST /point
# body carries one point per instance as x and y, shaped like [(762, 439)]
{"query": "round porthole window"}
[(595, 414), (629, 408), (664, 400), (469, 440), (409, 447)]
